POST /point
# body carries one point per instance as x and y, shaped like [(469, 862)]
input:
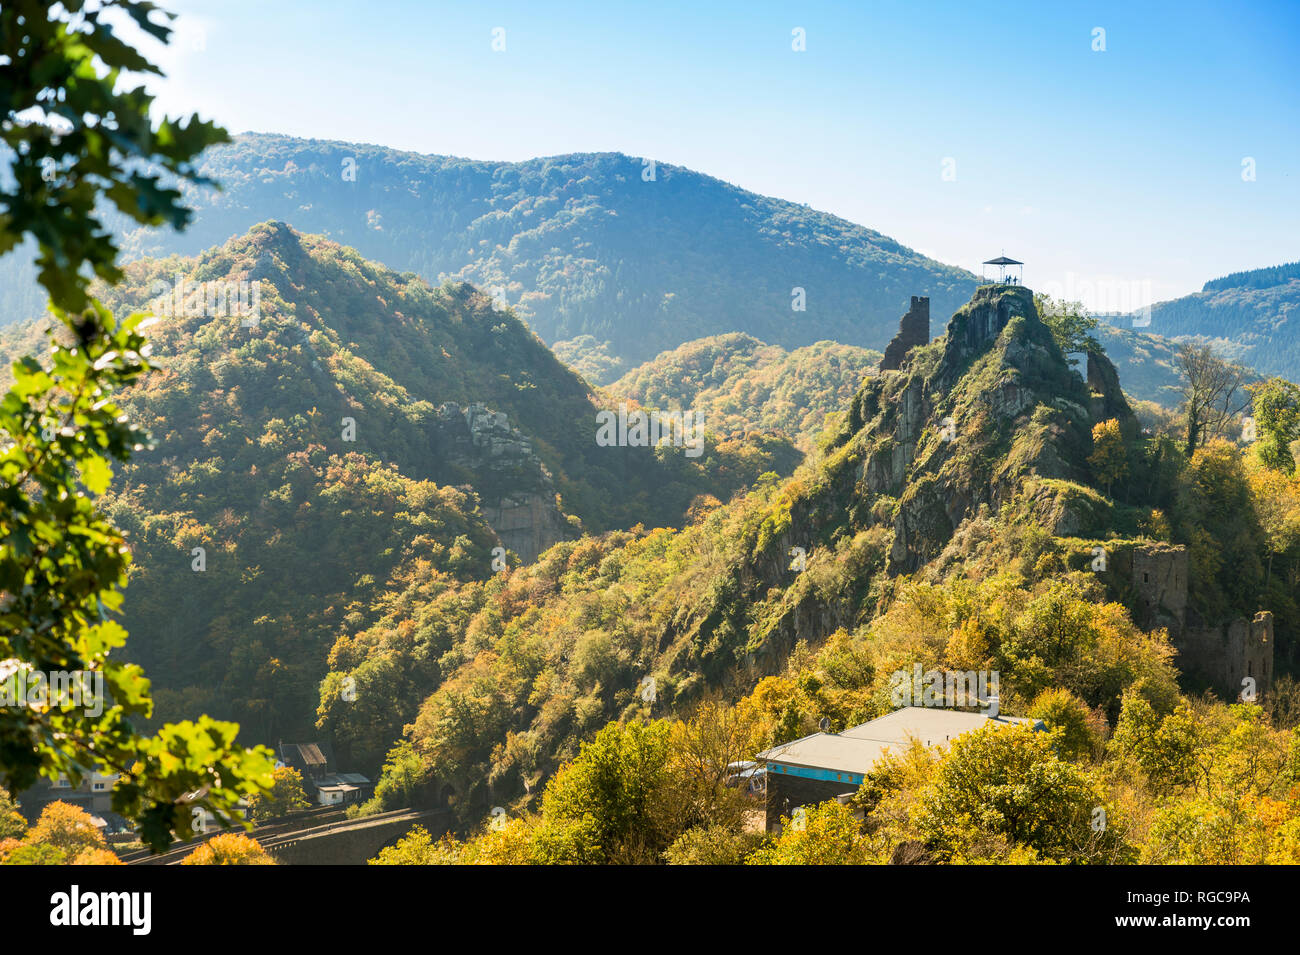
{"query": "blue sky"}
[(1117, 175)]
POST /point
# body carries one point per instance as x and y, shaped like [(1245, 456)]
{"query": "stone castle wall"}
[(1232, 655), (913, 330), (1223, 656)]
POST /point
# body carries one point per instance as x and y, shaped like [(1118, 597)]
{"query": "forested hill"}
[(578, 244), (318, 448), (1252, 317), (740, 383)]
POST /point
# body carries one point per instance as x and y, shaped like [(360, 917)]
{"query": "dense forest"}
[(740, 384), (1250, 317), (310, 460)]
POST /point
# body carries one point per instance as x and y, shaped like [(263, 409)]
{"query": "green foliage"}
[(78, 135), (1009, 783), (1277, 419), (12, 824), (35, 854), (62, 564), (285, 795), (1231, 798), (828, 835), (403, 778), (415, 848), (740, 384), (605, 806), (1071, 326), (61, 569), (712, 845), (303, 533), (1217, 517)]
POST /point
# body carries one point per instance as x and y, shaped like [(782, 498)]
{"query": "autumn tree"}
[(66, 827), (285, 795), (702, 753), (1163, 747), (824, 834), (229, 848), (417, 847), (1078, 731), (1108, 458), (1276, 500), (1213, 393), (713, 845)]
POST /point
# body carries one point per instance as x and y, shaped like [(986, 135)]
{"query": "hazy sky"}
[(961, 132)]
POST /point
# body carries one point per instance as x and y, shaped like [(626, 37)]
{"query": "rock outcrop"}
[(987, 424), (1107, 398), (998, 406), (515, 488), (963, 426)]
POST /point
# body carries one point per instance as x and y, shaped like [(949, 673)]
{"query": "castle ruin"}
[(1229, 656), (913, 330)]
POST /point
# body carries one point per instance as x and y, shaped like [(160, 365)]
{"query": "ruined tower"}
[(1231, 656), (913, 330)]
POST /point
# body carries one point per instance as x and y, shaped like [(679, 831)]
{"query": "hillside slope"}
[(1251, 317), (971, 462), (356, 425), (741, 384)]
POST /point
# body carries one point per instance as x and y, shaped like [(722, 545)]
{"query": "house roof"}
[(311, 754), (859, 748), (307, 755), (334, 780)]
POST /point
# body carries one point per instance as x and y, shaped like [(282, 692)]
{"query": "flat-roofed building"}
[(826, 766)]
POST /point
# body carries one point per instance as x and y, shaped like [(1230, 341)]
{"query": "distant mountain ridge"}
[(643, 257), (1255, 278), (1252, 317), (613, 261)]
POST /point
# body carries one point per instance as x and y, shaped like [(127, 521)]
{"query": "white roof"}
[(857, 749)]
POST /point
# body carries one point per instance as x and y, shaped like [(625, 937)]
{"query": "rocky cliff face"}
[(987, 412), (969, 420), (515, 488)]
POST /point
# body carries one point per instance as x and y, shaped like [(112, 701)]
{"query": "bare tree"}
[(1213, 393)]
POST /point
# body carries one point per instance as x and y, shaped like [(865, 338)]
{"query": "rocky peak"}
[(987, 412)]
